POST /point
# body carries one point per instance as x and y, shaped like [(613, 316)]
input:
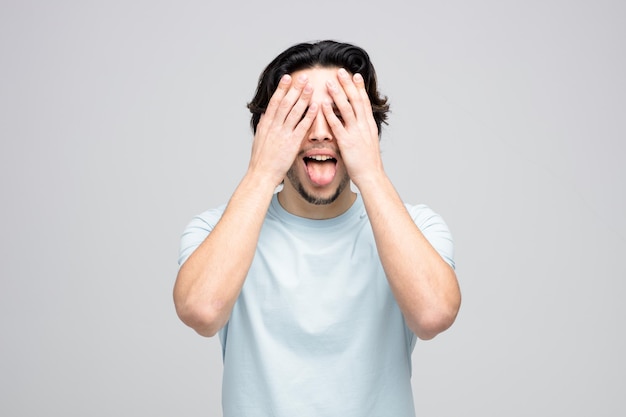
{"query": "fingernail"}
[(343, 73), (358, 77), (285, 79), (302, 78), (331, 85)]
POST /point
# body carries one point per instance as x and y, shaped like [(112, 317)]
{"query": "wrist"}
[(260, 181), (372, 179)]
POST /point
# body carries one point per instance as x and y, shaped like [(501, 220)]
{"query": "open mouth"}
[(321, 168)]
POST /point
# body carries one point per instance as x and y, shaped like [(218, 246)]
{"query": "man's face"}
[(318, 173)]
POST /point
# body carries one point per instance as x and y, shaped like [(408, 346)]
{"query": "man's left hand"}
[(354, 127)]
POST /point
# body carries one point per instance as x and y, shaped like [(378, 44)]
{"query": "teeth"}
[(320, 157)]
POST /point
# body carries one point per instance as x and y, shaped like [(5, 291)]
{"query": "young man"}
[(318, 293)]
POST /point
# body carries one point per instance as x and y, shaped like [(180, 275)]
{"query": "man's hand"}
[(423, 284), (210, 281), (356, 132), (282, 128)]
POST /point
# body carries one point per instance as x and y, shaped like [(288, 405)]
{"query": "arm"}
[(210, 280), (424, 285)]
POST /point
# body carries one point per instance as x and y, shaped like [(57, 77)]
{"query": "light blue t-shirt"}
[(316, 330)]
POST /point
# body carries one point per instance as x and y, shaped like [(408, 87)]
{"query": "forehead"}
[(317, 77)]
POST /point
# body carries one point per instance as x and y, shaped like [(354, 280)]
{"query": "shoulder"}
[(206, 220), (197, 230), (434, 229), (425, 217)]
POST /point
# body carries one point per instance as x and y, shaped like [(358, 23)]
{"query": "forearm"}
[(210, 281), (424, 285)]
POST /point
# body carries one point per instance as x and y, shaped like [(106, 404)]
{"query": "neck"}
[(295, 204)]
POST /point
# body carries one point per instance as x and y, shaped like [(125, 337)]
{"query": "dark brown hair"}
[(324, 54)]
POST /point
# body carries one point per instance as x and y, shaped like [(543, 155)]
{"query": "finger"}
[(305, 124), (359, 85), (369, 112), (289, 99), (341, 102), (277, 97), (299, 109), (352, 92), (335, 122)]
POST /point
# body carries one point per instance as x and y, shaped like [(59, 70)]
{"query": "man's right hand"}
[(282, 128)]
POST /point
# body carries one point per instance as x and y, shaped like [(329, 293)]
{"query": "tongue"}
[(321, 172)]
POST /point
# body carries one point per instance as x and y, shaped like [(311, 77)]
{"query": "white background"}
[(120, 120)]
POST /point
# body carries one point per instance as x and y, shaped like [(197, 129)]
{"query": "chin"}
[(315, 197)]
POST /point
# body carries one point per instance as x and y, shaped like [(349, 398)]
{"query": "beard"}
[(313, 199)]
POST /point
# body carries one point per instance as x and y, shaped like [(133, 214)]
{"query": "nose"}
[(320, 130)]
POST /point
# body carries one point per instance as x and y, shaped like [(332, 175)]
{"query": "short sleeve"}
[(435, 230), (196, 231)]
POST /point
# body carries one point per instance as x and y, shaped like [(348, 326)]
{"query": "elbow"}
[(428, 329), (428, 325), (206, 321)]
